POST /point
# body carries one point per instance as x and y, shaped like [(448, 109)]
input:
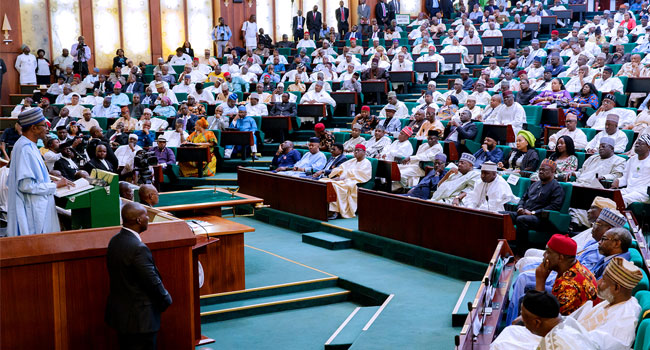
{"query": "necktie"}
[(314, 16), (342, 14), (383, 9)]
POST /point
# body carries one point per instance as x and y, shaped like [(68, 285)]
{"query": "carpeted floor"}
[(418, 317)]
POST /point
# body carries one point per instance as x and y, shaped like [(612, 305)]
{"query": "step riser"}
[(326, 244), (275, 308), (268, 292)]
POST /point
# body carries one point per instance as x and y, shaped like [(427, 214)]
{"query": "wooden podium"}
[(53, 288)]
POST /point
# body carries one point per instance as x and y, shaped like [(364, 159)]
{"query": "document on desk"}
[(79, 186)]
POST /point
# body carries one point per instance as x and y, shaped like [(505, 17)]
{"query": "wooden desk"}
[(203, 199), (474, 237), (312, 110), (425, 67), (505, 134), (344, 99), (295, 195), (402, 77), (55, 287), (500, 282), (582, 197), (389, 171)]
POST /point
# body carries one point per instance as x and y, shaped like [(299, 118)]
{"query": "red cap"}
[(365, 108), (555, 32), (408, 131), (226, 74), (360, 145), (319, 127), (77, 76), (250, 59), (196, 58), (562, 244)]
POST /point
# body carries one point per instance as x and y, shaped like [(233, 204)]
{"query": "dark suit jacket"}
[(379, 14), (110, 156), (138, 88), (294, 25), (108, 86), (381, 74), (137, 295), (465, 132), (316, 24), (333, 163), (189, 126), (121, 139), (64, 167), (285, 109), (357, 35), (94, 163), (337, 14)]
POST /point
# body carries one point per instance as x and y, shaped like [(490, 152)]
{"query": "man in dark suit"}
[(137, 295), (132, 86), (381, 13), (432, 7), (99, 161), (338, 157), (66, 164), (342, 18), (459, 132), (104, 86), (363, 14), (298, 26), (97, 138), (314, 23), (354, 33), (394, 9), (189, 120)]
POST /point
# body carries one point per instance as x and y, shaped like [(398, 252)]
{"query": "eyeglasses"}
[(604, 239)]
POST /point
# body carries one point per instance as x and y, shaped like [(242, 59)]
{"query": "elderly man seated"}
[(345, 179), (355, 139), (635, 179), (410, 169), (458, 182), (605, 166), (491, 193), (611, 131), (126, 154), (590, 255), (311, 162), (599, 118), (400, 148), (429, 182), (578, 136), (376, 144)]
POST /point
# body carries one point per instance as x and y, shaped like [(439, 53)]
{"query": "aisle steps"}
[(327, 240)]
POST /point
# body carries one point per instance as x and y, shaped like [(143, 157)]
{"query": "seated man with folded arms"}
[(376, 144), (400, 148), (311, 162), (546, 194), (458, 182), (491, 193), (488, 151), (410, 168), (285, 157), (543, 327), (429, 182), (593, 256), (345, 179), (636, 175)]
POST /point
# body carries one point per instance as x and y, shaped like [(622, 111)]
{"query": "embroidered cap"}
[(488, 166), (611, 217), (31, 116), (623, 272), (468, 158)]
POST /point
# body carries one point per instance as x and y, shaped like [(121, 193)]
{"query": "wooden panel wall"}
[(235, 15), (8, 53)]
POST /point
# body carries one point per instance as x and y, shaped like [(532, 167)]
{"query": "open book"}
[(79, 186)]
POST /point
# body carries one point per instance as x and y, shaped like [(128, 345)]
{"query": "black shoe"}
[(333, 217)]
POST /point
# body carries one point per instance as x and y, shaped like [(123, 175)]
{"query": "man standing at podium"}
[(31, 209), (137, 295)]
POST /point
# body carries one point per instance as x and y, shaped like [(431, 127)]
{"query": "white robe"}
[(455, 185), (401, 111), (626, 117), (30, 205), (610, 168), (412, 172), (374, 147), (567, 335), (611, 84), (397, 149), (578, 136), (635, 177), (611, 326), (320, 97), (619, 136), (351, 172), (26, 67), (514, 115), (490, 196)]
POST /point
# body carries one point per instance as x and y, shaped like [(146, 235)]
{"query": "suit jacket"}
[(189, 126), (137, 295), (314, 24), (337, 14), (138, 88), (333, 163), (285, 109), (381, 74), (110, 156), (294, 26), (361, 12), (467, 131), (95, 163), (66, 170), (108, 86), (357, 35), (379, 14), (392, 9)]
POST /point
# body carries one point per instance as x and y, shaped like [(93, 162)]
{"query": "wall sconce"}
[(6, 27), (225, 2), (250, 3)]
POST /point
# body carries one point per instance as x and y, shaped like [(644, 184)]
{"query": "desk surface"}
[(204, 198), (215, 226)]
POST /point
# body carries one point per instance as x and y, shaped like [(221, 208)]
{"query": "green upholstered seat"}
[(642, 341), (533, 120), (370, 184), (635, 257)]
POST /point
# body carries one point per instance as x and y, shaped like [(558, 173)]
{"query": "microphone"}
[(487, 200)]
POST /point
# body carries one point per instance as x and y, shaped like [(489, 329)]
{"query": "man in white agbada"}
[(578, 136), (431, 56), (455, 47), (472, 39), (510, 113), (400, 148), (26, 66), (612, 322), (611, 131), (253, 107), (401, 111), (318, 95), (126, 154), (624, 117), (544, 328), (345, 178), (608, 83), (606, 165), (30, 202), (410, 168), (491, 193), (376, 144), (635, 179), (458, 182), (355, 139)]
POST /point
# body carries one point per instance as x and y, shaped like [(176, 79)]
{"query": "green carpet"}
[(201, 196), (418, 317)]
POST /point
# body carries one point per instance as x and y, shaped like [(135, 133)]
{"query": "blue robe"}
[(589, 257), (30, 205), (310, 162), (244, 124)]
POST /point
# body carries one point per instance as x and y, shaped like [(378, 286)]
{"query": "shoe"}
[(333, 217), (255, 157)]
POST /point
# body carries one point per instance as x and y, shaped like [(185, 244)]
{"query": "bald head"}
[(148, 195), (125, 190), (134, 217)]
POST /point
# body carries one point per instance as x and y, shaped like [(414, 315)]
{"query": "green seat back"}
[(541, 153), (636, 258), (148, 69), (414, 143), (644, 284), (479, 131), (630, 139), (643, 297), (589, 132), (520, 188), (181, 96), (615, 67), (285, 51), (370, 184), (642, 341), (568, 188), (179, 68), (581, 158), (341, 137), (405, 122)]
